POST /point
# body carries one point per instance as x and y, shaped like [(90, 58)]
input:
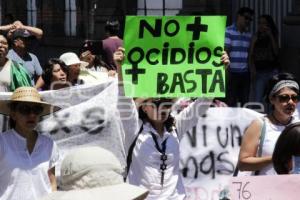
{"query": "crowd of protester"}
[(28, 159)]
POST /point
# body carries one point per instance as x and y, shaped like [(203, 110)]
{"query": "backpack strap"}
[(262, 138), (130, 151)]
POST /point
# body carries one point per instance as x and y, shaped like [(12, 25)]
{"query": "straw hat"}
[(91, 173), (27, 95), (71, 58)]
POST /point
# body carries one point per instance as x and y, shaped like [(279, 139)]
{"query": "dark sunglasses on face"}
[(286, 98), (26, 109)]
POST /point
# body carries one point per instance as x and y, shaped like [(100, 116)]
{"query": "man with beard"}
[(12, 74)]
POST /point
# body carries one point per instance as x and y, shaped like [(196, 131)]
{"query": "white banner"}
[(210, 150), (89, 116), (265, 187)]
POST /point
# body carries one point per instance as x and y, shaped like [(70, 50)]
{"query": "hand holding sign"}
[(225, 59), (119, 56)]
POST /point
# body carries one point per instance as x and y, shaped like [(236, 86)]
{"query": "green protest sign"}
[(174, 56)]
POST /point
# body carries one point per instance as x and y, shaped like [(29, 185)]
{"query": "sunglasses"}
[(286, 98), (26, 109)]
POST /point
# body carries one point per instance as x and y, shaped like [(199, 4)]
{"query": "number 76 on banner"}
[(240, 191)]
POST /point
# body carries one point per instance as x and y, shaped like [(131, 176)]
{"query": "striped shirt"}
[(238, 45)]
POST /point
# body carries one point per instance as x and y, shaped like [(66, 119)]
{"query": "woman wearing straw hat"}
[(152, 137), (27, 158)]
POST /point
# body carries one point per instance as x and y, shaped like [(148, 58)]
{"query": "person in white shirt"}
[(152, 137), (27, 158), (259, 139), (55, 75)]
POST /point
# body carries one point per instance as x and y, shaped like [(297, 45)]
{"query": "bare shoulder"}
[(254, 128)]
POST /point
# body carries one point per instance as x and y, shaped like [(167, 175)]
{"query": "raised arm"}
[(37, 32), (119, 57), (247, 157), (188, 118), (125, 105), (6, 27)]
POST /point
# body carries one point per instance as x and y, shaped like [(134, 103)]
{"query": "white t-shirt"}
[(145, 167), (24, 176), (271, 136)]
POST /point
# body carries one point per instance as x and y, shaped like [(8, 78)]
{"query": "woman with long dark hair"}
[(152, 137), (55, 75)]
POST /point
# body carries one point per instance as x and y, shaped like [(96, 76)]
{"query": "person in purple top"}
[(111, 43)]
